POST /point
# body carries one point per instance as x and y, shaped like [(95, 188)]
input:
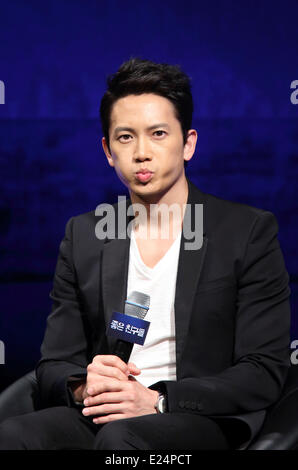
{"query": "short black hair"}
[(137, 76)]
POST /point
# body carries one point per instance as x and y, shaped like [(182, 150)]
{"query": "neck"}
[(162, 214)]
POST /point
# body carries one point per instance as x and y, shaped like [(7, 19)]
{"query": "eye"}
[(123, 135), (160, 135)]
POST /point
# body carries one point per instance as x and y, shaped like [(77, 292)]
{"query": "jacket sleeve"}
[(63, 351), (262, 336)]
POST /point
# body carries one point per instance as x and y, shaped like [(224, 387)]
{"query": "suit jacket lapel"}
[(114, 268), (189, 270)]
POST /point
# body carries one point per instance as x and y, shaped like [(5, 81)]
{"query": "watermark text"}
[(294, 94), (155, 222), (2, 92), (2, 353)]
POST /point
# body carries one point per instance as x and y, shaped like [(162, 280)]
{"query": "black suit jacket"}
[(232, 312)]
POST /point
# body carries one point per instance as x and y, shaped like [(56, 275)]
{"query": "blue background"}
[(55, 57)]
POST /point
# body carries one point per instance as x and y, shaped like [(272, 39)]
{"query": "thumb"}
[(133, 369)]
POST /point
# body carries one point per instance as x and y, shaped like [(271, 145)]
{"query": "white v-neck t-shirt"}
[(157, 357)]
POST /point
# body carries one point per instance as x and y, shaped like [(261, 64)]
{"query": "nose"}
[(142, 150)]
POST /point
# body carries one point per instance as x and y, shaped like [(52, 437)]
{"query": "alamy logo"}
[(2, 353), (294, 94), (163, 221), (2, 92), (294, 354)]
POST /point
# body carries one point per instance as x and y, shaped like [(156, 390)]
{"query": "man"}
[(216, 355)]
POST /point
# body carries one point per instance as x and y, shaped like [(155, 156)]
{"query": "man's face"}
[(146, 144)]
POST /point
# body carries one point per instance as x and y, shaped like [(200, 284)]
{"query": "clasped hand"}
[(112, 392)]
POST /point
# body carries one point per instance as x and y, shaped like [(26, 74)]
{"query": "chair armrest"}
[(20, 397), (280, 429)]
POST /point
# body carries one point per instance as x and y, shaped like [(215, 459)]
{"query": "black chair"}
[(279, 431), (20, 397)]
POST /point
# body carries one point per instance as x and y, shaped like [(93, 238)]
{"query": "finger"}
[(133, 369), (105, 409), (111, 360), (108, 397), (106, 371), (108, 418), (105, 385)]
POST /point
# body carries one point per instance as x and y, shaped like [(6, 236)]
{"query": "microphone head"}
[(137, 304)]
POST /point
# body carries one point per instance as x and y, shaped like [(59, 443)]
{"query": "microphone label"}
[(128, 328)]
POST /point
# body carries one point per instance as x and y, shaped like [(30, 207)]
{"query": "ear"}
[(190, 144), (106, 151)]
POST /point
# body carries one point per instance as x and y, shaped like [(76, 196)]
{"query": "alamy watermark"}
[(2, 353), (158, 221), (294, 94), (294, 354), (2, 92)]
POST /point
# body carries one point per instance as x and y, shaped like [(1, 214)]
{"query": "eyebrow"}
[(150, 128)]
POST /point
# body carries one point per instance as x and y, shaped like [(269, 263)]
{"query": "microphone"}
[(130, 328)]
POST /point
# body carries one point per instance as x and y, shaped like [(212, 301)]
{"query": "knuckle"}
[(117, 361), (104, 409), (114, 360), (103, 398), (117, 374), (97, 359), (130, 407)]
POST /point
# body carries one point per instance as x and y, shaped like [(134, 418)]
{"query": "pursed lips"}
[(144, 175)]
